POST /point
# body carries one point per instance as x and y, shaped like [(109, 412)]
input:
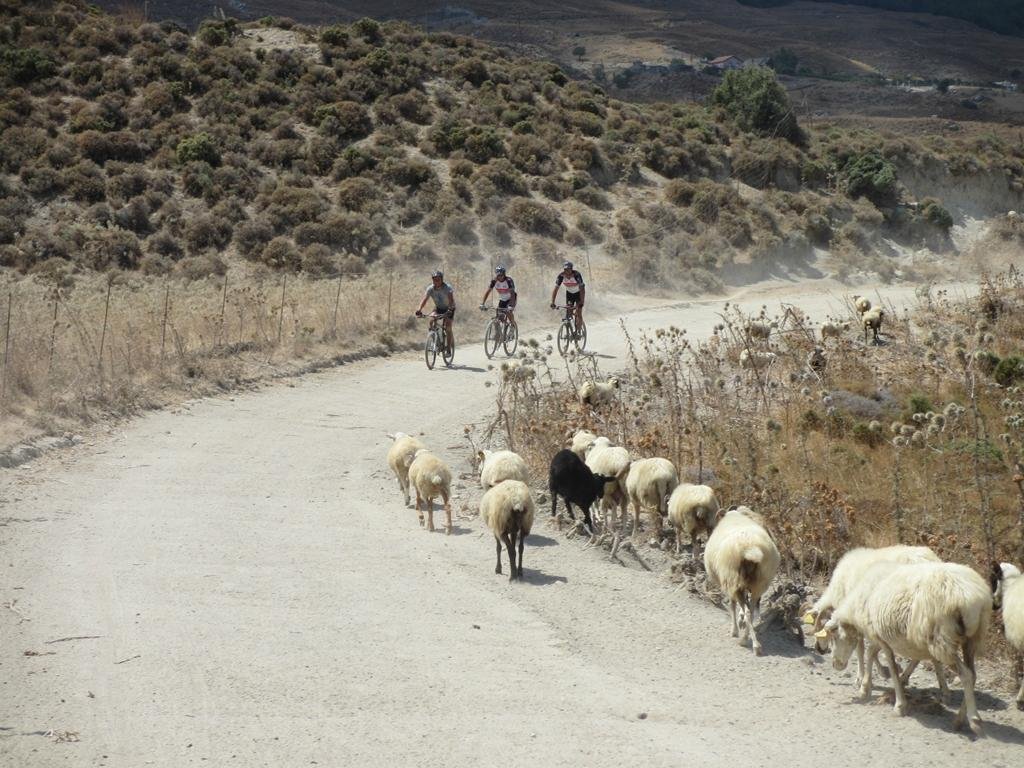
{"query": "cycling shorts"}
[(573, 298)]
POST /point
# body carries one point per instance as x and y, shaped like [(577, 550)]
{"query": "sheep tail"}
[(436, 479), (749, 564)]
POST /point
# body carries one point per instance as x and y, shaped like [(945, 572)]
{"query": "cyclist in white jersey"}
[(444, 303), (575, 290), (505, 287)]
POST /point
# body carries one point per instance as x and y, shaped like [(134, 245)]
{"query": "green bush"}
[(198, 148), (21, 66), (757, 103), (1009, 371), (345, 120), (871, 176), (934, 213)]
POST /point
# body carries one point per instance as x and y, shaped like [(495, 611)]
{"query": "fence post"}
[(223, 304), (53, 334), (7, 351), (163, 329), (590, 271), (103, 334), (280, 317), (334, 319), (391, 279)]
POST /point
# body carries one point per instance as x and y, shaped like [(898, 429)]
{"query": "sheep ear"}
[(823, 634), (810, 618)]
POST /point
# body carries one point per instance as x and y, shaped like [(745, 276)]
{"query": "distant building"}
[(1006, 85), (726, 62), (759, 62)]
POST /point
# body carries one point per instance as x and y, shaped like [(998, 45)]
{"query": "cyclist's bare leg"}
[(578, 312), (448, 331)]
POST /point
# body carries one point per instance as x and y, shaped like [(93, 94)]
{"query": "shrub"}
[(871, 176), (357, 194), (346, 120), (407, 172), (112, 248), (757, 103), (460, 230), (318, 261), (535, 218), (251, 236), (593, 197), (483, 144), (280, 253), (336, 36), (1009, 371), (290, 206), (471, 70), (202, 267), (368, 29), (134, 216), (164, 244), (934, 213), (84, 182), (116, 145), (207, 231), (680, 192), (21, 66), (198, 148)]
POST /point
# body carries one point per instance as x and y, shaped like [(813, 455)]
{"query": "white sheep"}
[(833, 330), (648, 484), (849, 576), (595, 393), (431, 478), (934, 611), (1008, 594), (755, 359), (400, 455), (1012, 215), (581, 441), (872, 320), (603, 458), (862, 304), (741, 559), (694, 509), (496, 466), (508, 510)]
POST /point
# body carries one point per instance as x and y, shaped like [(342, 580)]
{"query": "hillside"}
[(850, 59), (133, 145)]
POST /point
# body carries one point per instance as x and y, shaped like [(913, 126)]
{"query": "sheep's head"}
[(613, 383), (843, 639), (998, 574)]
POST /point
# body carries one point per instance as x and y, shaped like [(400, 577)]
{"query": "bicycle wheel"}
[(581, 337), (511, 338), (430, 349), (491, 338), (447, 348), (564, 337)]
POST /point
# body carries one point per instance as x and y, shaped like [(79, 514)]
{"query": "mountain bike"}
[(437, 341), (569, 333), (501, 329)]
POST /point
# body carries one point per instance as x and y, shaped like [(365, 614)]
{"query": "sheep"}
[(693, 508), (759, 330), (430, 477), (872, 320), (846, 577), (581, 441), (595, 393), (571, 479), (1008, 594), (833, 330), (936, 611), (508, 510), (862, 304), (613, 462), (649, 483), (496, 466), (400, 456), (1012, 215), (741, 559), (755, 359)]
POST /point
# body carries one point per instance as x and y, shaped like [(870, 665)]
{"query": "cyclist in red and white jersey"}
[(505, 287), (575, 290)]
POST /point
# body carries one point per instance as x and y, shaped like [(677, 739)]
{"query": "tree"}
[(784, 61), (871, 176), (757, 103), (579, 51)]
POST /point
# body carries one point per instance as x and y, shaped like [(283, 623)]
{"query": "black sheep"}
[(571, 479)]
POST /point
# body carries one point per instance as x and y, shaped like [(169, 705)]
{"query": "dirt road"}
[(245, 588)]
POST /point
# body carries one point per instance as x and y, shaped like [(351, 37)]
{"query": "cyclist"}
[(444, 303), (575, 291), (505, 287)]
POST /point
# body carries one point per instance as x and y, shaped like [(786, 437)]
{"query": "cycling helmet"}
[(437, 273), (567, 265), (500, 269)]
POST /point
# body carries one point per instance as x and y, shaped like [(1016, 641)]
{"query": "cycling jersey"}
[(443, 297), (505, 288), (572, 284)]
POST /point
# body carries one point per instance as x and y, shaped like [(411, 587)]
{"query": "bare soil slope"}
[(238, 582)]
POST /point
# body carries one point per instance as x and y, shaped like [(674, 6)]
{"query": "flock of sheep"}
[(897, 601)]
